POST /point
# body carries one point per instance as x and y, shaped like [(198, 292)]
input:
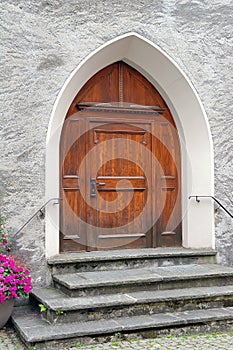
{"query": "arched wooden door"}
[(119, 166)]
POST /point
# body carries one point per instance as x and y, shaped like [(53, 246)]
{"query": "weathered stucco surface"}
[(44, 41)]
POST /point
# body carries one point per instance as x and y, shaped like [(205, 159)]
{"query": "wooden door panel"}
[(168, 228), (121, 185), (120, 164), (73, 207)]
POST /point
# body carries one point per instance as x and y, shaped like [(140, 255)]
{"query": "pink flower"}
[(15, 281), (2, 298), (26, 289)]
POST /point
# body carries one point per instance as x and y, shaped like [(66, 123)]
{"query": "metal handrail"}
[(215, 199), (37, 212)]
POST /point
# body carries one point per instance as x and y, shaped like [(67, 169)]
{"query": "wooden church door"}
[(119, 166)]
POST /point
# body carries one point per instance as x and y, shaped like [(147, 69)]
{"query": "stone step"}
[(128, 258), (138, 279), (61, 308), (38, 333)]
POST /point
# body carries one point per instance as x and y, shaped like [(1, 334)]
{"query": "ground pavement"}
[(215, 341)]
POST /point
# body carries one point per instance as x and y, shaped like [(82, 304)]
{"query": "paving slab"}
[(55, 300), (128, 254), (102, 278), (152, 321), (34, 329), (183, 293), (205, 315), (140, 275)]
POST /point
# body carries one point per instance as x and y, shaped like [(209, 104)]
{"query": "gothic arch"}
[(190, 118)]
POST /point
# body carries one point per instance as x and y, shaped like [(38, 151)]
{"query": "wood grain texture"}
[(126, 158)]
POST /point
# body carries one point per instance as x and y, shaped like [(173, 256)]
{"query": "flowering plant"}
[(3, 235), (15, 280)]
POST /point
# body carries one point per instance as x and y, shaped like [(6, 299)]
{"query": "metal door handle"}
[(93, 187)]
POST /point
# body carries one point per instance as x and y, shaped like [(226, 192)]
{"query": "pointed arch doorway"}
[(120, 170)]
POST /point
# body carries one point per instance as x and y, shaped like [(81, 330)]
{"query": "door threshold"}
[(122, 254)]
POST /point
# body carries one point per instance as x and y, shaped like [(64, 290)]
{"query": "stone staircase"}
[(148, 291)]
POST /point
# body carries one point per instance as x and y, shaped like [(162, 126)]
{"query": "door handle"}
[(93, 187)]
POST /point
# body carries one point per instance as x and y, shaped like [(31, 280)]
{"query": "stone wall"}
[(44, 41)]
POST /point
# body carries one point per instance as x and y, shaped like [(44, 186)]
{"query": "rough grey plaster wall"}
[(44, 41)]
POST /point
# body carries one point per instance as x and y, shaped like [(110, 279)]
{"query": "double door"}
[(120, 180)]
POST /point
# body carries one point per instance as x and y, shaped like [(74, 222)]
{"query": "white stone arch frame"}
[(191, 121)]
